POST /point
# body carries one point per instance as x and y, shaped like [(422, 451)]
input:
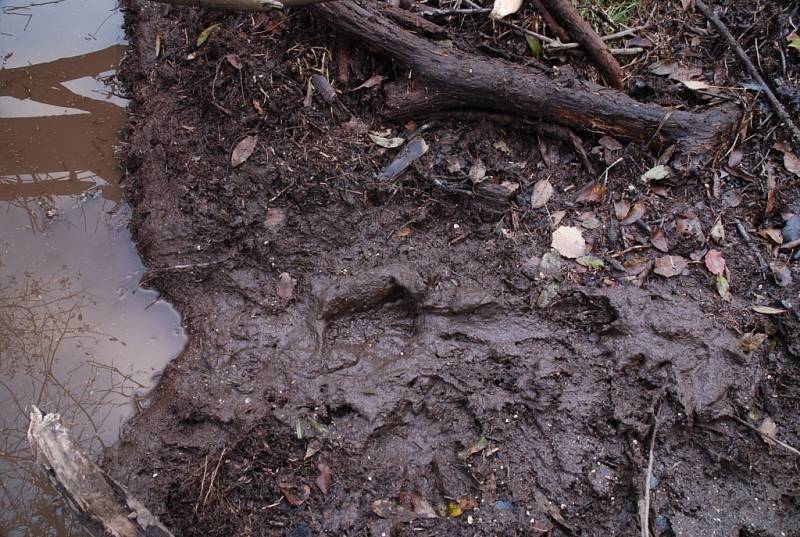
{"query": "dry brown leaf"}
[(670, 265), (751, 342), (772, 234), (790, 160), (233, 59), (393, 511), (621, 209), (295, 494), (659, 240), (717, 232), (591, 193), (715, 263), (542, 192), (569, 242), (768, 310), (243, 150), (634, 215)]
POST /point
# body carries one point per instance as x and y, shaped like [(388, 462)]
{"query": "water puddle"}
[(77, 334)]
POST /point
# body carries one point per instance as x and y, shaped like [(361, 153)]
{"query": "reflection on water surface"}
[(77, 334)]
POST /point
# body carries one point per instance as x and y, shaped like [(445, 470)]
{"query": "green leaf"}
[(536, 46), (723, 288), (591, 261), (205, 34), (548, 294), (795, 43)]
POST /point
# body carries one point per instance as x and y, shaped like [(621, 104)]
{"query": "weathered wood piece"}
[(101, 504)]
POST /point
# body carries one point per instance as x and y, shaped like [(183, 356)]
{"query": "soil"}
[(372, 357)]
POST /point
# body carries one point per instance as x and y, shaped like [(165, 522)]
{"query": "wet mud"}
[(370, 359)]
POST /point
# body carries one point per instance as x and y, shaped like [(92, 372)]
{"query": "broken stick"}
[(101, 504)]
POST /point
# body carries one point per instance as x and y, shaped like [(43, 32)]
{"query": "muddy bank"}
[(370, 359)]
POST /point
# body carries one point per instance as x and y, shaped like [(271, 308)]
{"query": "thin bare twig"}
[(644, 509), (763, 267), (745, 60), (765, 435)]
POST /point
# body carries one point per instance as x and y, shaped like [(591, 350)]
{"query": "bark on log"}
[(102, 505), (452, 79), (243, 5)]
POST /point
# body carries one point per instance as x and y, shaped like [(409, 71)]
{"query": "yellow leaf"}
[(454, 510)]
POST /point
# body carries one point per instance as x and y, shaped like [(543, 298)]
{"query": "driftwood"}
[(447, 78), (101, 504)]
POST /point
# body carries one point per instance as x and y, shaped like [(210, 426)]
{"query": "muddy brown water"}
[(78, 335)]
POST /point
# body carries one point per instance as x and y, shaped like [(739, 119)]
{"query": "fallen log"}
[(447, 78), (101, 504)]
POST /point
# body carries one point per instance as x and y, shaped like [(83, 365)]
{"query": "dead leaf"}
[(589, 220), (768, 428), (477, 172), (324, 477), (717, 232), (735, 158), (634, 215), (422, 507), (453, 510), (659, 241), (637, 265), (772, 191), (767, 310), (233, 59), (504, 8), (790, 160), (569, 242), (388, 143), (295, 494), (657, 173), (243, 150), (663, 68), (285, 288), (557, 217), (371, 82), (542, 192), (473, 448), (715, 263), (502, 146), (392, 511), (403, 232), (670, 265), (610, 143), (695, 84), (591, 193), (313, 447), (751, 342), (621, 209), (772, 234)]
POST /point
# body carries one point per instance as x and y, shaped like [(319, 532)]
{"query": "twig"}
[(765, 435), (763, 267), (742, 55), (644, 509), (609, 37), (434, 12), (213, 477)]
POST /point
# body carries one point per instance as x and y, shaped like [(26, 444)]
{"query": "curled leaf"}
[(591, 193), (634, 215), (723, 288), (658, 173), (751, 342), (504, 8), (388, 143)]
